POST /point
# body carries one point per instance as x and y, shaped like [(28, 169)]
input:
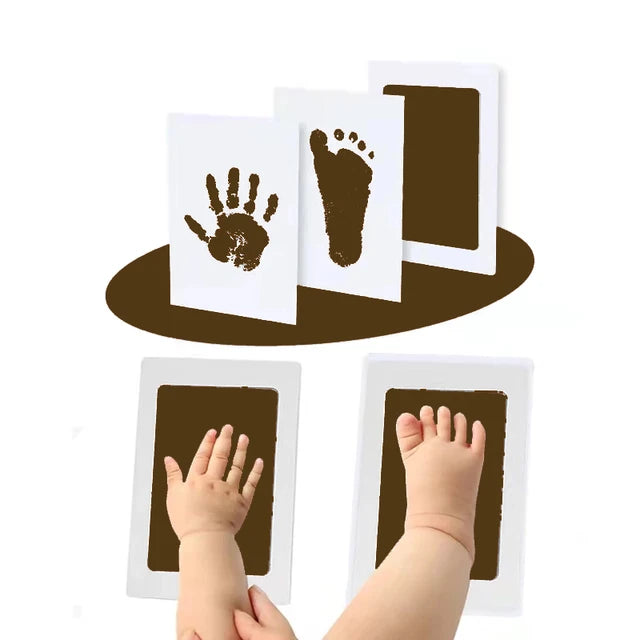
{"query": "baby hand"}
[(442, 475), (206, 503), (268, 624)]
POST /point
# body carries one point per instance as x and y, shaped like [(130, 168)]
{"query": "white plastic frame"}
[(485, 79), (284, 377), (503, 595)]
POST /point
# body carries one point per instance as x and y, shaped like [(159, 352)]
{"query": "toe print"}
[(239, 238), (343, 179)]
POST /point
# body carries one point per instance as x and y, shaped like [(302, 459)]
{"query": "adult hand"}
[(268, 624)]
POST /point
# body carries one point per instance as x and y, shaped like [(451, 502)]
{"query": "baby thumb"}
[(266, 612), (246, 626)]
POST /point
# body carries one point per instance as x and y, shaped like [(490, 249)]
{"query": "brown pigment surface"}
[(183, 416), (139, 295), (490, 407), (441, 145)]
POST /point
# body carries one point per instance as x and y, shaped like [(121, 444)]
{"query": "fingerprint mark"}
[(214, 195), (232, 191), (339, 134), (272, 205), (250, 204), (353, 136), (196, 228)]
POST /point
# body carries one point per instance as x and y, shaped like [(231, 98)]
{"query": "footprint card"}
[(450, 160), (233, 206), (350, 190)]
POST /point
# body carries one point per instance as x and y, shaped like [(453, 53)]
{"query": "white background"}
[(86, 90)]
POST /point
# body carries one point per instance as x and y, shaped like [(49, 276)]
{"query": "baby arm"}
[(420, 588), (206, 512)]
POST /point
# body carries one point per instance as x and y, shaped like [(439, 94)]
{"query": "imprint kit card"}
[(495, 391), (350, 190), (450, 182), (233, 206), (180, 399)]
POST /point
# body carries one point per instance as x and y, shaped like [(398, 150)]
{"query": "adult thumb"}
[(246, 626), (266, 612)]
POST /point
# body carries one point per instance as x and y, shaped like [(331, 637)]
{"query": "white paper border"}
[(284, 377), (503, 595), (484, 78)]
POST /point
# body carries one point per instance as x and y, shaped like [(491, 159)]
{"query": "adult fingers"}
[(268, 615), (246, 626)]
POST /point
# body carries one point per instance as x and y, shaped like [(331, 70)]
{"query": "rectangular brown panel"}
[(490, 407), (183, 415), (441, 147)]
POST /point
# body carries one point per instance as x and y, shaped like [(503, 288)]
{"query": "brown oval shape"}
[(139, 295)]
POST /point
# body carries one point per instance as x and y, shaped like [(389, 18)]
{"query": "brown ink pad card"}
[(494, 391), (450, 160), (183, 415), (180, 399)]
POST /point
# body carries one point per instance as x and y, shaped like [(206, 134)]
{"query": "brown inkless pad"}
[(490, 407), (183, 416), (139, 295), (440, 183)]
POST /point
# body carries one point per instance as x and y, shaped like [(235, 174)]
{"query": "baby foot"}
[(442, 475), (343, 179)]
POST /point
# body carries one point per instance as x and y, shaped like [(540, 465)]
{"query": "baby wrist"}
[(459, 529)]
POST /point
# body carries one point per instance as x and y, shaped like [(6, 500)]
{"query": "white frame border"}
[(284, 377), (484, 78), (503, 595)]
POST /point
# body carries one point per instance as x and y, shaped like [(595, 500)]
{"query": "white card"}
[(284, 377), (512, 376), (234, 249), (483, 78), (350, 190)]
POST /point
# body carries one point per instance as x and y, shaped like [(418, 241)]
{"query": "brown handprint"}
[(239, 238)]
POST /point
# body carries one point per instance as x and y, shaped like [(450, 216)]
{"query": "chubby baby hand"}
[(205, 502)]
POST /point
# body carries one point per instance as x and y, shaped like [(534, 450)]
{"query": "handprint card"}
[(351, 149), (233, 202)]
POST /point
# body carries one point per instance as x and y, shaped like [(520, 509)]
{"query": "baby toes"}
[(409, 432), (318, 141)]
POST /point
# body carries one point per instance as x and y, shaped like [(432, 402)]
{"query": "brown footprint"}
[(343, 179), (238, 238)]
